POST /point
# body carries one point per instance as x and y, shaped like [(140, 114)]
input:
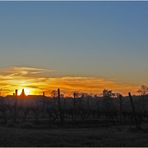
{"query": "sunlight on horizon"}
[(78, 46), (35, 81), (27, 91)]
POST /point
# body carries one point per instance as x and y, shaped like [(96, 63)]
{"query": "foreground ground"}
[(105, 136)]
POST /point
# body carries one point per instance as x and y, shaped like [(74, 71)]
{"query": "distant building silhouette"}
[(23, 93)]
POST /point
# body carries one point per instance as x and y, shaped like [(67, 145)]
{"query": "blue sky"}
[(107, 39)]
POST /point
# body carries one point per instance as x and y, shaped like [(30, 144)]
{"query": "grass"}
[(105, 136)]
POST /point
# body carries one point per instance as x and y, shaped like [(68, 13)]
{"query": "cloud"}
[(38, 80), (24, 71), (90, 84)]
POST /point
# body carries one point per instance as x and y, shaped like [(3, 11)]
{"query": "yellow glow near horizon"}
[(26, 90), (36, 81)]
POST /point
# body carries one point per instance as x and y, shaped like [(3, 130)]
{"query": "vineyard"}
[(79, 111)]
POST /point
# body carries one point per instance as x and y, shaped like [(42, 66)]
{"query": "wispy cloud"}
[(39, 80), (25, 71)]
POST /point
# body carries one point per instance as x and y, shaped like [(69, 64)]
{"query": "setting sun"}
[(26, 91)]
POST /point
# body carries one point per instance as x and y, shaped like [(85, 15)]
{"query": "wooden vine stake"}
[(138, 126)]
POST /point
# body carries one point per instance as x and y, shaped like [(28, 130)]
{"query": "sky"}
[(77, 46)]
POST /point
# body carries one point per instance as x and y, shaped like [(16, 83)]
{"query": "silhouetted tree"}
[(54, 94), (143, 91), (108, 103)]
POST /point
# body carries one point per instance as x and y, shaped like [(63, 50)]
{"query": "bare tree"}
[(108, 104), (143, 90), (54, 94)]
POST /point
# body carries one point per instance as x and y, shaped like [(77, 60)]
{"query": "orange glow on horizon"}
[(27, 91), (36, 81)]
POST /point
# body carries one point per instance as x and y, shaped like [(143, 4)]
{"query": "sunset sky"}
[(75, 46)]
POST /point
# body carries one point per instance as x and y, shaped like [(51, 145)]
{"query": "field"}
[(86, 121), (103, 136)]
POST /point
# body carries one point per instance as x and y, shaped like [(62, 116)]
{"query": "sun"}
[(26, 91)]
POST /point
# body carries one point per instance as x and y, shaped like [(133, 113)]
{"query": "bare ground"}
[(105, 136)]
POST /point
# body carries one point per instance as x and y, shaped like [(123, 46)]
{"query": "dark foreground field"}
[(105, 136)]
